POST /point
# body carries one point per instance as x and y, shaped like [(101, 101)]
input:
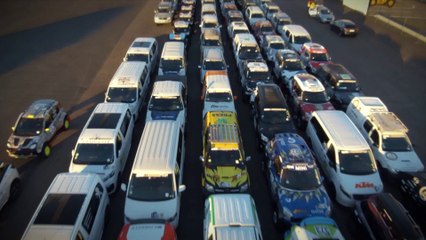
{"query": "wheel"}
[(46, 150), (14, 189), (66, 123)]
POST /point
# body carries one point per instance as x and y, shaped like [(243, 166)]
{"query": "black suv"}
[(270, 113), (339, 83), (384, 217)]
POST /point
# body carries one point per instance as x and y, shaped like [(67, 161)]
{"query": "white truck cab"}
[(386, 135), (104, 144), (217, 93), (129, 85), (143, 49)]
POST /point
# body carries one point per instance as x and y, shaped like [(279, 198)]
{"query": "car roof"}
[(308, 82), (270, 96), (339, 71), (210, 18), (232, 209), (255, 66), (167, 88), (274, 38), (214, 54), (314, 47), (294, 148), (388, 122), (141, 45), (38, 108), (211, 33)]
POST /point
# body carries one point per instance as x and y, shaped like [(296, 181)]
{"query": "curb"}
[(400, 27)]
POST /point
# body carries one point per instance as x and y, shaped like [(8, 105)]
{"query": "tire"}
[(14, 190), (66, 123), (46, 150)]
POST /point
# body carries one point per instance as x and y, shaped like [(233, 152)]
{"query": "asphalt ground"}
[(69, 50)]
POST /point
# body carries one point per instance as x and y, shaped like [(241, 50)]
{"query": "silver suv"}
[(35, 127)]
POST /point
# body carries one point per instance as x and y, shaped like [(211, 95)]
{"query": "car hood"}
[(404, 161), (269, 129), (305, 203), (226, 176), (134, 209), (22, 141)]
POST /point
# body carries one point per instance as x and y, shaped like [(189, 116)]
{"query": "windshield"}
[(277, 45), (301, 39), (266, 29), (29, 127), (214, 65), (165, 104), (212, 42), (257, 15), (210, 25), (284, 21), (396, 144), (154, 188), (257, 76), (356, 163), (293, 65), (275, 116), (224, 158), (164, 10), (248, 53), (124, 95), (273, 10), (137, 57), (325, 11), (314, 97), (320, 57), (179, 30), (171, 65), (218, 97), (92, 153), (291, 178), (347, 86)]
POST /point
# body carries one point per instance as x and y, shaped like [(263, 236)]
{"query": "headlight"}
[(33, 146), (209, 187), (264, 138), (287, 213), (244, 187)]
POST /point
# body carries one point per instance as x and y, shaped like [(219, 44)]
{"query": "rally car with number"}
[(294, 180), (35, 128)]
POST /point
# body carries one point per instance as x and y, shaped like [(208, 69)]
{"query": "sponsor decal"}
[(364, 185)]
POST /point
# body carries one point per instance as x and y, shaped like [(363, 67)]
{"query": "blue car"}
[(294, 179)]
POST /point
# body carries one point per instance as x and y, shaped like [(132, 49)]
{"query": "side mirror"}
[(182, 188), (201, 159), (248, 158), (73, 153), (13, 128), (123, 187), (124, 59)]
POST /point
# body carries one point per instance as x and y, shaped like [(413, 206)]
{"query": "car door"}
[(93, 221), (50, 125), (126, 132)]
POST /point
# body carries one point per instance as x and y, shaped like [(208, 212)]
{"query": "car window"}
[(125, 125), (367, 126), (320, 132), (375, 137), (119, 142), (331, 154), (93, 208)]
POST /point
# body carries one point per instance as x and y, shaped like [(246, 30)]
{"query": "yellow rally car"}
[(224, 163)]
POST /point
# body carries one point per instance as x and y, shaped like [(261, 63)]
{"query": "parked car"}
[(234, 15), (163, 13), (280, 19), (322, 13), (269, 9), (254, 14), (306, 94), (209, 21), (270, 45), (144, 49), (237, 27), (210, 38), (245, 48), (344, 27), (383, 217), (287, 63), (294, 180), (10, 183), (228, 6), (313, 56), (314, 228), (295, 36), (413, 185), (186, 16), (262, 28), (341, 86), (253, 72), (153, 229), (213, 59), (270, 113), (181, 31), (208, 8), (35, 128)]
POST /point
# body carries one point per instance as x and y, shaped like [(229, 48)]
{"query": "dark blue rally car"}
[(294, 179)]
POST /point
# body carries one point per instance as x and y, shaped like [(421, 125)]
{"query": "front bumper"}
[(21, 153)]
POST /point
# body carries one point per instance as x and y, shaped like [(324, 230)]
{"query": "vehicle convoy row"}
[(291, 86)]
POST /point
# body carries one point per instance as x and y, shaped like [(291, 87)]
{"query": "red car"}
[(313, 56), (262, 28), (155, 229)]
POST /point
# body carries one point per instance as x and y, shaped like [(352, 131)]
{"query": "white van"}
[(386, 134), (231, 216), (168, 102), (155, 183), (129, 85), (245, 48), (344, 155), (143, 49), (75, 206), (295, 36), (104, 144), (173, 60), (217, 92)]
